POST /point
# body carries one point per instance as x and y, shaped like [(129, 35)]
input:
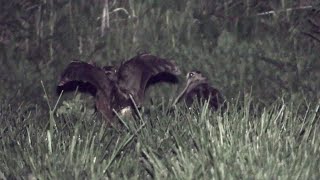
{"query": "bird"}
[(198, 88), (119, 88)]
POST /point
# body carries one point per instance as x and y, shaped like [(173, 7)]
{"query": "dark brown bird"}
[(114, 86), (197, 87)]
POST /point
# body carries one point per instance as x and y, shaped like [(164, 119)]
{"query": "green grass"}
[(274, 143), (266, 67)]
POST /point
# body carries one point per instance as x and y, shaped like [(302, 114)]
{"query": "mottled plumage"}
[(114, 86), (133, 75), (198, 88), (88, 74)]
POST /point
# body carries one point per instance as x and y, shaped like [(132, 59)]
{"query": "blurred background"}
[(269, 49), (264, 56)]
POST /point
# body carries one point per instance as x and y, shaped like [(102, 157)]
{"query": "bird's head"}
[(111, 72), (195, 77)]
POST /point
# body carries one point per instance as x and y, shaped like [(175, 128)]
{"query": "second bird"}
[(198, 88)]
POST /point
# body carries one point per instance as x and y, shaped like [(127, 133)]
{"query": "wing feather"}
[(96, 76), (135, 73), (86, 73)]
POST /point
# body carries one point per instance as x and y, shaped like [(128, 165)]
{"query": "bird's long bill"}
[(182, 93)]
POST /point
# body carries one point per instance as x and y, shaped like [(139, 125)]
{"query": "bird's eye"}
[(191, 74)]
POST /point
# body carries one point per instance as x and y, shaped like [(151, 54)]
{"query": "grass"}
[(266, 67), (276, 142)]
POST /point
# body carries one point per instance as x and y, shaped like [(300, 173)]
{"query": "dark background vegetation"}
[(241, 50), (268, 50)]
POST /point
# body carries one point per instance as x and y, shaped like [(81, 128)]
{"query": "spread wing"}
[(78, 71), (134, 74), (96, 77)]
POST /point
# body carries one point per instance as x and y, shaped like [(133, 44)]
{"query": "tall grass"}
[(278, 143), (266, 65)]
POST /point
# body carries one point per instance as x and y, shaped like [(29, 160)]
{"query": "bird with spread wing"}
[(117, 88)]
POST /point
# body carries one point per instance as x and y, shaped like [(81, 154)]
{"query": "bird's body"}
[(115, 87), (198, 89), (204, 92)]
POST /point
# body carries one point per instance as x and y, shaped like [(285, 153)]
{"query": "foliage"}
[(278, 142), (262, 55)]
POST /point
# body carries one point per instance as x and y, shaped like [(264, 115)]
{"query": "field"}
[(263, 56)]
